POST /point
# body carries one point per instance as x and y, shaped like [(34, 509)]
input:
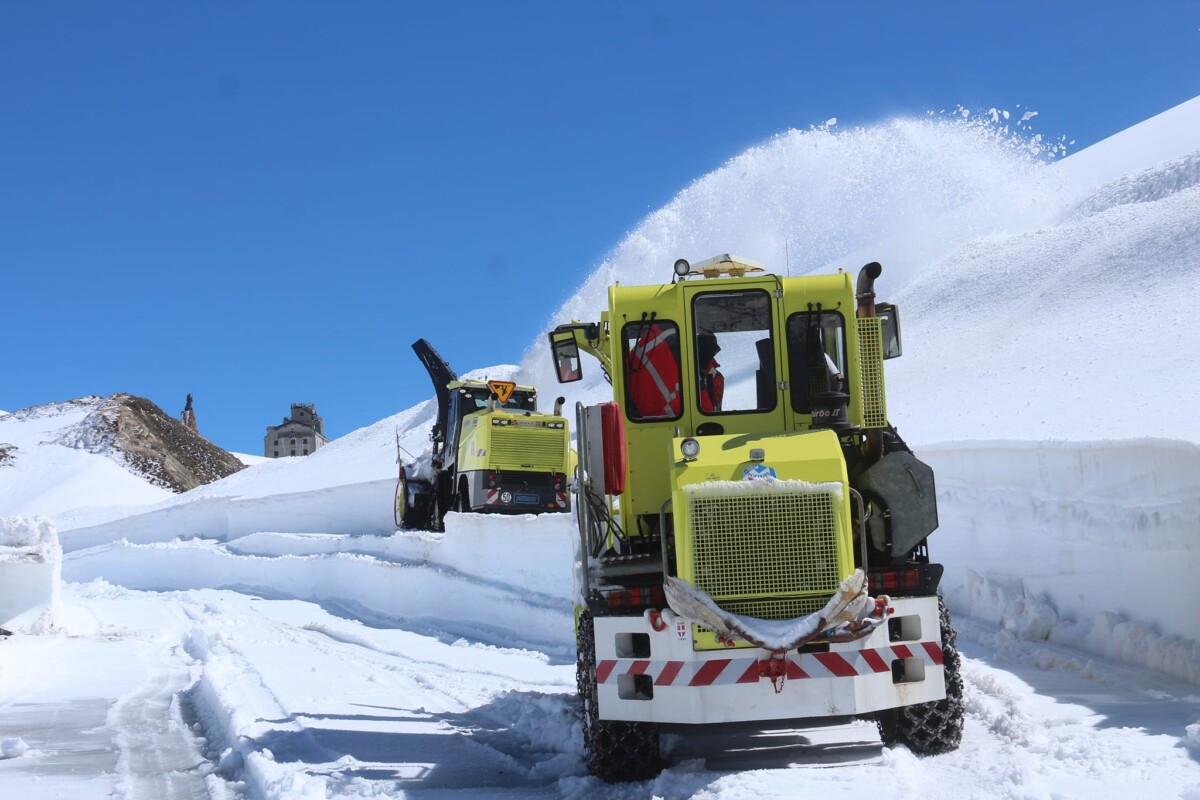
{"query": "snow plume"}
[(988, 248), (815, 200)]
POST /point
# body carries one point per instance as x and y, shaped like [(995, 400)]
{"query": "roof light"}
[(682, 267)]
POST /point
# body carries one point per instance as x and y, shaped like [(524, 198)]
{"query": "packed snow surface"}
[(272, 636)]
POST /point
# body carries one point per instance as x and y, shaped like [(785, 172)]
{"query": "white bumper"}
[(676, 684)]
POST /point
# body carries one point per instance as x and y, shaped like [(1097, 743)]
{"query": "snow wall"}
[(30, 573), (1094, 545), (355, 508)]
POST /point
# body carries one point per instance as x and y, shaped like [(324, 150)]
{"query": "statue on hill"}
[(188, 417)]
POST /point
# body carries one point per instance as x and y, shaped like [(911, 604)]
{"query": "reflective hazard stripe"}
[(668, 395), (642, 354), (561, 499), (493, 497), (726, 671), (657, 340)]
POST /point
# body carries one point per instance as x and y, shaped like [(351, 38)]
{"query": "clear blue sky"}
[(265, 203)]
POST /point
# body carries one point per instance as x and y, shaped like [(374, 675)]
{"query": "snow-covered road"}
[(370, 685)]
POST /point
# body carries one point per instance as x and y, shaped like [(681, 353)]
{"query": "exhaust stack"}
[(866, 288)]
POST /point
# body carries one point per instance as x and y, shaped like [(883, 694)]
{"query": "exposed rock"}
[(7, 454), (138, 434)]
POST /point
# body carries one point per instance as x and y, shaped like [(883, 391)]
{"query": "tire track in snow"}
[(159, 757), (408, 712)]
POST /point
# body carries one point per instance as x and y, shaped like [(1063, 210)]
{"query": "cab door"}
[(730, 373)]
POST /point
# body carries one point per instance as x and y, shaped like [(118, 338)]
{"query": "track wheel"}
[(935, 727), (614, 751)]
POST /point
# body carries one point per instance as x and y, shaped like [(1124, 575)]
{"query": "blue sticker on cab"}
[(758, 472)]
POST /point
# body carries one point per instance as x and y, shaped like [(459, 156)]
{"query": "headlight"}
[(690, 448)]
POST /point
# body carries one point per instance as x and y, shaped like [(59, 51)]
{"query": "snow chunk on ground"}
[(1192, 739), (28, 538), (13, 748)]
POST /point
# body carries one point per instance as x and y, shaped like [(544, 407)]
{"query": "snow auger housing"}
[(492, 451), (746, 464)]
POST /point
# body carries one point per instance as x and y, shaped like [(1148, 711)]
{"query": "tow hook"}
[(774, 667)]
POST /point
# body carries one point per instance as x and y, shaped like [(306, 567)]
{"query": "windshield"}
[(477, 400), (734, 352)]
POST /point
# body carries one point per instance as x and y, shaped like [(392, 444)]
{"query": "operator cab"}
[(468, 399)]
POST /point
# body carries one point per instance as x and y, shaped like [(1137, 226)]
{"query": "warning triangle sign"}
[(503, 389)]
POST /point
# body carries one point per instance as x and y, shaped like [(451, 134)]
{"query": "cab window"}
[(734, 352), (816, 352), (651, 352)]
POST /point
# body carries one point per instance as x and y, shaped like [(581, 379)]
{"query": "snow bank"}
[(1088, 544), (497, 579), (30, 573), (353, 508)]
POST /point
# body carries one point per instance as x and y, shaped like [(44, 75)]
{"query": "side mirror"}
[(566, 356), (889, 323)]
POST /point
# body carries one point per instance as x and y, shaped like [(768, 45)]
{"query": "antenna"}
[(787, 259)]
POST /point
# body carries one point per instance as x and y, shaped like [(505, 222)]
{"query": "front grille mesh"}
[(870, 347), (756, 543), (528, 447), (775, 608)]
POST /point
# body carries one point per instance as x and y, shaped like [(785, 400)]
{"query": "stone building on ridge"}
[(298, 435)]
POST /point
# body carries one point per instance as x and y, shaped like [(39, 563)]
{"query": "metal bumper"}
[(517, 497), (649, 674)]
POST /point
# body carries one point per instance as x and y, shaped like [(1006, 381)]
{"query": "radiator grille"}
[(756, 543), (531, 447), (870, 348), (775, 608)]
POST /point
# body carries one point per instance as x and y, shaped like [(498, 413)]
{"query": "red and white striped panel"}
[(724, 671), (561, 499), (493, 497)]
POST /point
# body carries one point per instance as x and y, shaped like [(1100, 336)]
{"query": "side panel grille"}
[(754, 543), (870, 349)]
